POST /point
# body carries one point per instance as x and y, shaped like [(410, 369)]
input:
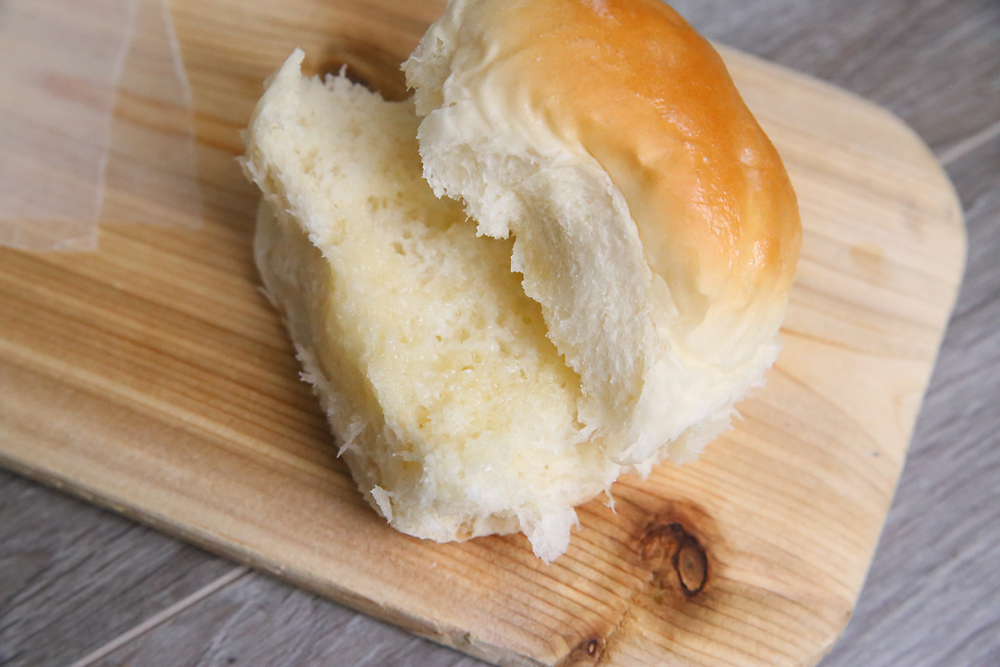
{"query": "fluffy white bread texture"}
[(652, 218), (620, 284), (456, 413)]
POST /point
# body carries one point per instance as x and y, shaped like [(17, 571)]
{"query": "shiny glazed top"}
[(631, 84)]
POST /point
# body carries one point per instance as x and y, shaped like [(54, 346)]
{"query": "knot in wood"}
[(672, 543)]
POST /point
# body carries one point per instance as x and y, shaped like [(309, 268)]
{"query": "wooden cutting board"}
[(152, 377)]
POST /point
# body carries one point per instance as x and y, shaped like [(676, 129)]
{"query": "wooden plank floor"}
[(81, 586)]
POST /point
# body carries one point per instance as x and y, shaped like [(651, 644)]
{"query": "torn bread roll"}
[(618, 284)]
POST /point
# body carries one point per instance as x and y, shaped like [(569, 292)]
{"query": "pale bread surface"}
[(455, 412), (653, 219)]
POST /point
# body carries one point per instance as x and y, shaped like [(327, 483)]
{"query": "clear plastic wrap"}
[(152, 165), (92, 93)]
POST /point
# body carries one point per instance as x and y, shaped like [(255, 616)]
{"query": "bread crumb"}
[(381, 497)]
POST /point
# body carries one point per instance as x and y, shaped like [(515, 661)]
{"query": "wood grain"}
[(84, 577), (934, 63), (161, 382), (235, 627), (933, 595)]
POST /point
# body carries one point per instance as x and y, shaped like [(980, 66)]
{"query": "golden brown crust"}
[(652, 101)]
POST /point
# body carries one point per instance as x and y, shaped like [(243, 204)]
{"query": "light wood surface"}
[(933, 62), (176, 388), (933, 593)]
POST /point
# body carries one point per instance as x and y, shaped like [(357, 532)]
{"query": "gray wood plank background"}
[(80, 586), (73, 577)]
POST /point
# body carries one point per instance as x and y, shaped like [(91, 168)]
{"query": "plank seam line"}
[(162, 616), (968, 145)]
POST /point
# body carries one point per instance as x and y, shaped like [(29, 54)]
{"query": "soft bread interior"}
[(618, 286), (606, 139), (456, 413)]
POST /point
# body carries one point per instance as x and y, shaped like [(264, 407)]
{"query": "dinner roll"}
[(454, 411), (652, 218), (574, 274)]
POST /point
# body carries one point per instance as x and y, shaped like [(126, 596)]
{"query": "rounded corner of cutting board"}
[(913, 145), (772, 90)]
